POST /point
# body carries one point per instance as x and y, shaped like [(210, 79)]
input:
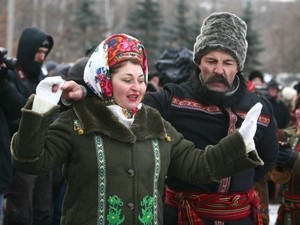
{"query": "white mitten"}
[(44, 89), (249, 125), (45, 98)]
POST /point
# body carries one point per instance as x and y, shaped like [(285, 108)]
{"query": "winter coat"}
[(281, 112), (288, 212), (296, 167), (206, 124), (115, 174), (5, 158), (10, 109), (187, 114), (27, 73), (291, 136)]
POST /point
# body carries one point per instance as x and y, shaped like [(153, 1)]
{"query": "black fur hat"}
[(224, 31)]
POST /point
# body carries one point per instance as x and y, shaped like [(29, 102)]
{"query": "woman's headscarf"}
[(113, 50)]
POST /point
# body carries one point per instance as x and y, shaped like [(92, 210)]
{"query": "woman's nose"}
[(134, 86)]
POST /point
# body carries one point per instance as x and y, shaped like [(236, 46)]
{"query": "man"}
[(29, 199), (281, 111), (5, 114), (287, 171), (206, 108)]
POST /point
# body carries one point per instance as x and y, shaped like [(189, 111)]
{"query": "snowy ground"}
[(273, 213)]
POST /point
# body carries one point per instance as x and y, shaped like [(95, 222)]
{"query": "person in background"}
[(289, 95), (209, 106), (61, 70), (288, 171), (176, 64), (6, 114), (5, 162), (75, 73), (29, 198), (281, 111), (117, 151), (50, 67), (256, 77), (156, 81)]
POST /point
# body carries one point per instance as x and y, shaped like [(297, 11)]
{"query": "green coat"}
[(116, 175)]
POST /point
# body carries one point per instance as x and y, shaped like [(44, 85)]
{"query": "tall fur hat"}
[(223, 31)]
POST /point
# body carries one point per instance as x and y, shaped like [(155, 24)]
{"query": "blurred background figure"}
[(256, 77), (173, 66), (287, 171), (6, 112), (281, 111), (61, 70), (74, 72), (282, 116), (289, 96), (157, 80), (29, 197), (50, 67), (176, 64)]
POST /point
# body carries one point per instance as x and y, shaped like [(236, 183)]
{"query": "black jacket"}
[(23, 80), (10, 106), (207, 124)]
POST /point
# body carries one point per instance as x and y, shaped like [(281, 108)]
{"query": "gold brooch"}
[(168, 138), (78, 128)]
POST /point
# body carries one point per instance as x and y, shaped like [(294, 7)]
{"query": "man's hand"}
[(72, 91)]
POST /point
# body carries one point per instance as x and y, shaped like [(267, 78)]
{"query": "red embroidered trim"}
[(189, 104)]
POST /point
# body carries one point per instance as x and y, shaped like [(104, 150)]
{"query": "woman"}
[(287, 171), (117, 151)]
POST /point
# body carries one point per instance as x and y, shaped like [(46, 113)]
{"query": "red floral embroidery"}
[(105, 85)]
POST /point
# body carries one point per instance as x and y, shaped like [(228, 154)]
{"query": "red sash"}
[(194, 206), (289, 208), (291, 202)]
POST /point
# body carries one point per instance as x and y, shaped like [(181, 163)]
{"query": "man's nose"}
[(42, 56), (219, 69)]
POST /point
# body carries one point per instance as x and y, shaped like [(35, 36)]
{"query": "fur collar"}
[(95, 117)]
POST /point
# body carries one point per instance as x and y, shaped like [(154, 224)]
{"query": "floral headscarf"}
[(113, 50)]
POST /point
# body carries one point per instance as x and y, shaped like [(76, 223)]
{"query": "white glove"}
[(44, 89), (249, 125)]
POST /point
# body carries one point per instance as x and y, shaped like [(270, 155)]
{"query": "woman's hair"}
[(117, 66)]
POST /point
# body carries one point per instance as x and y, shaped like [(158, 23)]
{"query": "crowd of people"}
[(101, 142)]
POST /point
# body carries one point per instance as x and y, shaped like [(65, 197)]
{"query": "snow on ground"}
[(273, 213)]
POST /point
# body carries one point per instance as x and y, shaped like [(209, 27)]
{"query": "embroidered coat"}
[(115, 174), (289, 211), (206, 124)]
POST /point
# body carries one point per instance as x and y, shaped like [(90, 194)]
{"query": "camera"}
[(9, 62), (261, 91)]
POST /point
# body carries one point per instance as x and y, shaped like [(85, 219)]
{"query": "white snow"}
[(273, 213)]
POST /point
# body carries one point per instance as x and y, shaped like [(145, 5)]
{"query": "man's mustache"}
[(217, 79)]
